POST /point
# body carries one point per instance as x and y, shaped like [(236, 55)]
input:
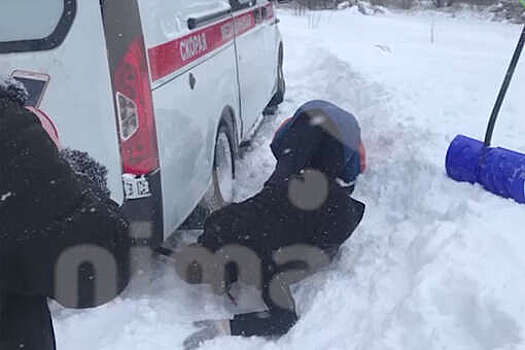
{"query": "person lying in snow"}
[(51, 203), (301, 217)]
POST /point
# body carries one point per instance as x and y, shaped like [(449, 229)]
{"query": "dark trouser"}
[(25, 323), (275, 322)]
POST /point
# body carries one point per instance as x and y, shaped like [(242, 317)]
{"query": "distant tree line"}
[(318, 4), (511, 10)]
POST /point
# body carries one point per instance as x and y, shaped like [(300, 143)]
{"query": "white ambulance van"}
[(161, 92)]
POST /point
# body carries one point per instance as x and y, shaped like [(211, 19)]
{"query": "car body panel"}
[(78, 97), (255, 60)]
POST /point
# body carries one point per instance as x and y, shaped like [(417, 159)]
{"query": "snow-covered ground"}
[(435, 264)]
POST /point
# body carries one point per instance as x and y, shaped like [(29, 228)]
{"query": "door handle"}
[(192, 81), (196, 22)]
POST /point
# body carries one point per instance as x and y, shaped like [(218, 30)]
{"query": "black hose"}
[(504, 88)]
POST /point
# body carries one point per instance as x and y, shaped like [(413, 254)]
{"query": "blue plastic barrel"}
[(498, 170)]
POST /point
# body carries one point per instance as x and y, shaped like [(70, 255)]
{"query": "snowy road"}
[(435, 264)]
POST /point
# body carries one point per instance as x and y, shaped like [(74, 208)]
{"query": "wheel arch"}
[(196, 218)]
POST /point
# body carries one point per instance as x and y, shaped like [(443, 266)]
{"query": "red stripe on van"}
[(169, 57), (244, 22)]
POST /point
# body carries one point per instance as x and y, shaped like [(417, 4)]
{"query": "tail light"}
[(138, 138), (362, 157)]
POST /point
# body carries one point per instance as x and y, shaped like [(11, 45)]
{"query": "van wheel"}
[(278, 98), (221, 190)]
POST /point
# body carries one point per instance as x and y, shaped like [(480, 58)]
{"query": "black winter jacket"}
[(46, 212), (268, 222)]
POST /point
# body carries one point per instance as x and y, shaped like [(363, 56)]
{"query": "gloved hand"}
[(210, 330)]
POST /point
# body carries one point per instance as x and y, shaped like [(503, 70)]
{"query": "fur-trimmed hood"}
[(13, 90), (82, 164)]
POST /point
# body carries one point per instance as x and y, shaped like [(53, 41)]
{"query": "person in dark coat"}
[(296, 224), (61, 236)]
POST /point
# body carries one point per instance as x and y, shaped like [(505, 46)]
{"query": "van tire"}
[(221, 191), (278, 97)]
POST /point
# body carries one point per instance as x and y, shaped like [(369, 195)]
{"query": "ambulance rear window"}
[(34, 25)]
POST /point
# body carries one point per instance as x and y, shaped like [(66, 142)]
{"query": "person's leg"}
[(28, 323), (279, 318)]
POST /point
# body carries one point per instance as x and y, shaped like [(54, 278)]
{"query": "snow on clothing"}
[(269, 221), (46, 209)]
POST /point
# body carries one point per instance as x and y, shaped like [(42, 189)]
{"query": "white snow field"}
[(435, 264)]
